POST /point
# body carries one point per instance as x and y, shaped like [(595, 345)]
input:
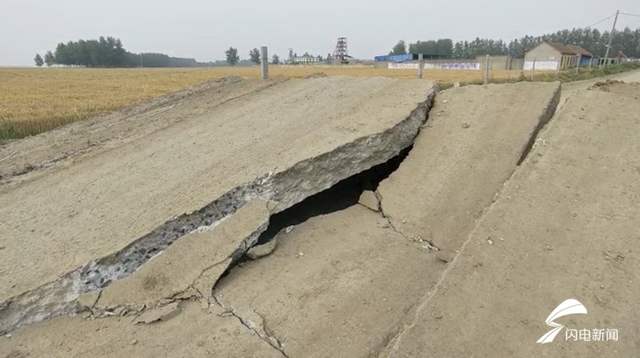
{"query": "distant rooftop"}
[(570, 49)]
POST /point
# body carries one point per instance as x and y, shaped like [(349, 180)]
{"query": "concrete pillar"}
[(264, 65), (486, 69), (420, 65)]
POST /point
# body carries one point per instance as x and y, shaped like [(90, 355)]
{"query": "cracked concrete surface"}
[(198, 331), (337, 284), (254, 322), (196, 261), (565, 226), (99, 219), (319, 311), (471, 145), (373, 279)]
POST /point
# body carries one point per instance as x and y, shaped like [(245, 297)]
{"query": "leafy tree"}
[(275, 59), (38, 60), (254, 56), (399, 49), (49, 59), (232, 56)]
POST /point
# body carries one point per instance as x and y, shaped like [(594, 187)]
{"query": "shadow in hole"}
[(340, 196)]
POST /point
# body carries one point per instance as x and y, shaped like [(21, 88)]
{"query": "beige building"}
[(551, 56)]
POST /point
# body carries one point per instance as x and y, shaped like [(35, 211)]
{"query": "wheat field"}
[(36, 100)]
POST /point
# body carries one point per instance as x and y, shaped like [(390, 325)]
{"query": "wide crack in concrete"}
[(84, 288), (394, 262), (350, 260)]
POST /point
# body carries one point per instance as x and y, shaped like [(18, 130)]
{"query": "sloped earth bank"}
[(95, 219), (345, 283)]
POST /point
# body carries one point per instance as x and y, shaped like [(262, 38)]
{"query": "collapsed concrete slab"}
[(195, 262), (475, 138), (78, 229), (310, 304), (565, 226)]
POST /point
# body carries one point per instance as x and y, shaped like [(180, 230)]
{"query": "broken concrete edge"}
[(283, 189), (451, 257)]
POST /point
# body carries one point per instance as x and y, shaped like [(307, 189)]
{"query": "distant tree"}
[(109, 52), (399, 49), (38, 60), (232, 56), (275, 59), (254, 56), (442, 48), (329, 58), (49, 59)]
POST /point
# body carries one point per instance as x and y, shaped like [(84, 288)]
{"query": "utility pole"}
[(613, 31)]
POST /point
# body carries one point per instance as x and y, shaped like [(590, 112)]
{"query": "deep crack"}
[(284, 189)]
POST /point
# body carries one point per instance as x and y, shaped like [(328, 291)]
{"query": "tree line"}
[(107, 52), (593, 40)]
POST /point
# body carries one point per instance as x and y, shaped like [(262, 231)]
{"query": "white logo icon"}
[(566, 308)]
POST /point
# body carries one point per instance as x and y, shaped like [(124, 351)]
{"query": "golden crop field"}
[(36, 100)]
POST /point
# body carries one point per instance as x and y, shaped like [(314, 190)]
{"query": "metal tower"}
[(341, 54)]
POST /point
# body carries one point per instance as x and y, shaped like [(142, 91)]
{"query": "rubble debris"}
[(263, 250)]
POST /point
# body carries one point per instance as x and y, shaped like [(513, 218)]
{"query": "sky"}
[(204, 29)]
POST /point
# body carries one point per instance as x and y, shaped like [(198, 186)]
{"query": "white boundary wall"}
[(436, 66), (541, 65)]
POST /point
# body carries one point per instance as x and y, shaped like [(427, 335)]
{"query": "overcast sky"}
[(203, 29)]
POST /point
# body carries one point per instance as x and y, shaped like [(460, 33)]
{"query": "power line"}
[(628, 14), (601, 21)]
